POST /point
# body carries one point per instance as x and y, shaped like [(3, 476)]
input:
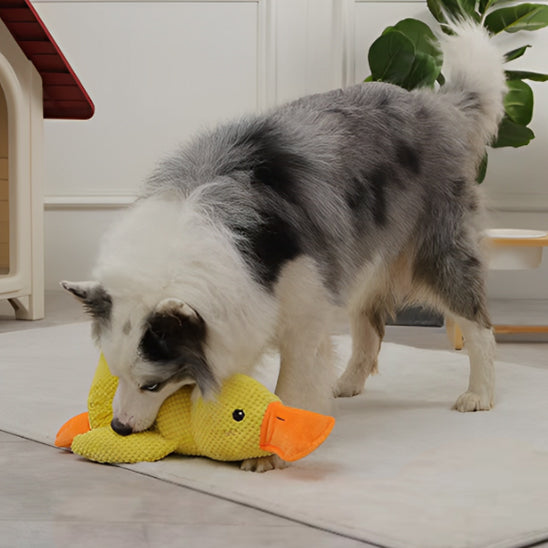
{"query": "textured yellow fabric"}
[(101, 394), (225, 428), (216, 431)]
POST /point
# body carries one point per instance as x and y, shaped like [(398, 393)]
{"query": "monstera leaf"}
[(524, 75), (512, 134), (406, 55), (423, 39), (518, 102), (516, 18), (515, 53), (484, 5), (453, 8), (391, 57)]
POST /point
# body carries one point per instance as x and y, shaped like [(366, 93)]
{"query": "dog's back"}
[(346, 175)]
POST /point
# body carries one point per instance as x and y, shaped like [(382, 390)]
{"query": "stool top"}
[(517, 237)]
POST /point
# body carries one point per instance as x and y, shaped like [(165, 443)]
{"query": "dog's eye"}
[(151, 387), (238, 415)]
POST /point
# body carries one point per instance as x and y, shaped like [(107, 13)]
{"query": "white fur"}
[(168, 249), (480, 343), (305, 324), (465, 70), (199, 267)]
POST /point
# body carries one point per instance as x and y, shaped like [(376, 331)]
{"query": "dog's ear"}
[(97, 302), (173, 324), (177, 308), (175, 336)]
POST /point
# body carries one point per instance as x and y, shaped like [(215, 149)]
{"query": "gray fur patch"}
[(341, 177)]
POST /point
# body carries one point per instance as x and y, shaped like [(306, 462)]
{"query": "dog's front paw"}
[(470, 401), (264, 464), (347, 388), (352, 381)]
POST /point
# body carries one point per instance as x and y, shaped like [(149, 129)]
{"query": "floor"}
[(50, 499)]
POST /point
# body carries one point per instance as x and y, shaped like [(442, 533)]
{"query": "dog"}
[(258, 233)]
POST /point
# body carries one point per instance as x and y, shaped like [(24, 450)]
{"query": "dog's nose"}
[(121, 428)]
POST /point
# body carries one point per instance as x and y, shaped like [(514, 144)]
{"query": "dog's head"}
[(152, 350)]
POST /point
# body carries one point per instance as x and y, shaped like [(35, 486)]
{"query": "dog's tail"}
[(475, 80)]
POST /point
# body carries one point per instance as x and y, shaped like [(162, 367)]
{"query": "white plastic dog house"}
[(36, 82)]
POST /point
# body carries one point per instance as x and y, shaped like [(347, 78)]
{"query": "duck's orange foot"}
[(77, 425)]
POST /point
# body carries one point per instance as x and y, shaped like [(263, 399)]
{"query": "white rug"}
[(399, 469)]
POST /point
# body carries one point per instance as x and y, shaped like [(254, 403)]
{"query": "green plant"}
[(408, 55)]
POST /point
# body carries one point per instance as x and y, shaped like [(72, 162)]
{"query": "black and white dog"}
[(258, 232)]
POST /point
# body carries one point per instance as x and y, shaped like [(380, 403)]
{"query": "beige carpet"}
[(400, 468)]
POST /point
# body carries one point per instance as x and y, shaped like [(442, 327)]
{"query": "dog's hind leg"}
[(455, 275), (367, 330), (480, 343)]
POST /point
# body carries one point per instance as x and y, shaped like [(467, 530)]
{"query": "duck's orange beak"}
[(293, 433)]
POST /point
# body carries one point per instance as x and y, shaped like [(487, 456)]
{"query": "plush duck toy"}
[(244, 421)]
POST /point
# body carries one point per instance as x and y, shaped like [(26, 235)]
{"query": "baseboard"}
[(88, 202)]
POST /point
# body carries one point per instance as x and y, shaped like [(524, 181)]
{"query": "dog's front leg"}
[(307, 375), (305, 381)]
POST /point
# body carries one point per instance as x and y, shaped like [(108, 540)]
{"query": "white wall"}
[(159, 71)]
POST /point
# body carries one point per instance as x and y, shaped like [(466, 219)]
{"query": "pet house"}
[(36, 82)]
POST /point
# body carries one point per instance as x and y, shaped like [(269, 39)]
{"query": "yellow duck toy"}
[(245, 421)]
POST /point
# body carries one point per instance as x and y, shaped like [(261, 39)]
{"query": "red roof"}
[(64, 95)]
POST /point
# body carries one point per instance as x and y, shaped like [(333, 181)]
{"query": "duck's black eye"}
[(238, 415)]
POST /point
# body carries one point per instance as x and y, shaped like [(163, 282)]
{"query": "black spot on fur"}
[(356, 195), (337, 110), (408, 157), (378, 183), (384, 101), (268, 246), (457, 188), (273, 163), (366, 198), (423, 114), (175, 343)]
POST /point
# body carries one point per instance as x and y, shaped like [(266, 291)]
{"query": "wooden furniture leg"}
[(454, 333)]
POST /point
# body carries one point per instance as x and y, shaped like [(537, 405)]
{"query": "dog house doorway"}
[(4, 189)]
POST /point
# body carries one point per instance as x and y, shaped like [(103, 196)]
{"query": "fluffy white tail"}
[(473, 67)]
